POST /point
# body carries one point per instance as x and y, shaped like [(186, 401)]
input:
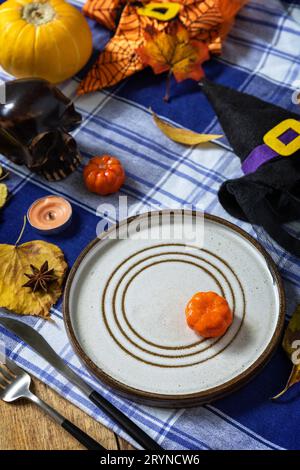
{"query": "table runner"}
[(261, 57)]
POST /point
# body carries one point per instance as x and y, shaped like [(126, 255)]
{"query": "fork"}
[(15, 384)]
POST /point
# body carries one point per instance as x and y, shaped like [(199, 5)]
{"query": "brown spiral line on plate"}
[(149, 342), (172, 365), (142, 338)]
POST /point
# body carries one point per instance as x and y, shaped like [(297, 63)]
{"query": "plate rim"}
[(195, 398)]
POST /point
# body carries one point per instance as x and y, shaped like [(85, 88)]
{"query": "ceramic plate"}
[(125, 300)]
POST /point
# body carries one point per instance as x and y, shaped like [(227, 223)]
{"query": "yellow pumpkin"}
[(43, 38)]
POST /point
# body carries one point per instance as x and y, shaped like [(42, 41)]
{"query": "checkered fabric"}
[(261, 57)]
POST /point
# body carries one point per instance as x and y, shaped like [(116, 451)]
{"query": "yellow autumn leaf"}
[(293, 379), (183, 136), (3, 173), (3, 194), (290, 344), (15, 261)]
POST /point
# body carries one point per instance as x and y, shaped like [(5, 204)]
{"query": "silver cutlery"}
[(15, 384), (36, 341)]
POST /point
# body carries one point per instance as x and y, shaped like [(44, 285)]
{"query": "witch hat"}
[(266, 138)]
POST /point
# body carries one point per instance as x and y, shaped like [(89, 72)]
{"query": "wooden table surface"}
[(24, 426)]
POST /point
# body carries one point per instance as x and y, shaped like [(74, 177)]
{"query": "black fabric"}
[(269, 197), (245, 119)]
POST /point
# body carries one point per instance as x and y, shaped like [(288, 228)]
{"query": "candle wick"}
[(51, 215)]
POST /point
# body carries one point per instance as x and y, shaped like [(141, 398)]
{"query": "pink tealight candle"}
[(50, 214)]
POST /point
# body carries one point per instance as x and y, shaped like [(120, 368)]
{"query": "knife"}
[(36, 341)]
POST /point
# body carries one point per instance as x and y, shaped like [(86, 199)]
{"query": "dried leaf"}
[(3, 194), (3, 174), (173, 51), (291, 336), (183, 136), (15, 261)]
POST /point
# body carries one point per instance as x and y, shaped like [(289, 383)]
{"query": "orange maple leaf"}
[(172, 50)]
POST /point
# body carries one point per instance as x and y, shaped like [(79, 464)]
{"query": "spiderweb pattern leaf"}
[(106, 12), (120, 59)]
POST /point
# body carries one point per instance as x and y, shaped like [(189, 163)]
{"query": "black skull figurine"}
[(34, 122)]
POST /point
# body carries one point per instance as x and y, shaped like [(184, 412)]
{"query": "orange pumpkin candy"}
[(104, 175), (209, 314)]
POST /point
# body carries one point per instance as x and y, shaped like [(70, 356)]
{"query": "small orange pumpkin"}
[(209, 314), (104, 175)]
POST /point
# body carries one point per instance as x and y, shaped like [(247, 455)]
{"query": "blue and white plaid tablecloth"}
[(261, 57)]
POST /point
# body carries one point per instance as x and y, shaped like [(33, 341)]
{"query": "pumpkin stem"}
[(38, 13)]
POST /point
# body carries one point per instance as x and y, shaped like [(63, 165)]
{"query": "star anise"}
[(40, 278)]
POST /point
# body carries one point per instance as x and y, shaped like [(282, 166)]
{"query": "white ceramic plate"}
[(125, 301)]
